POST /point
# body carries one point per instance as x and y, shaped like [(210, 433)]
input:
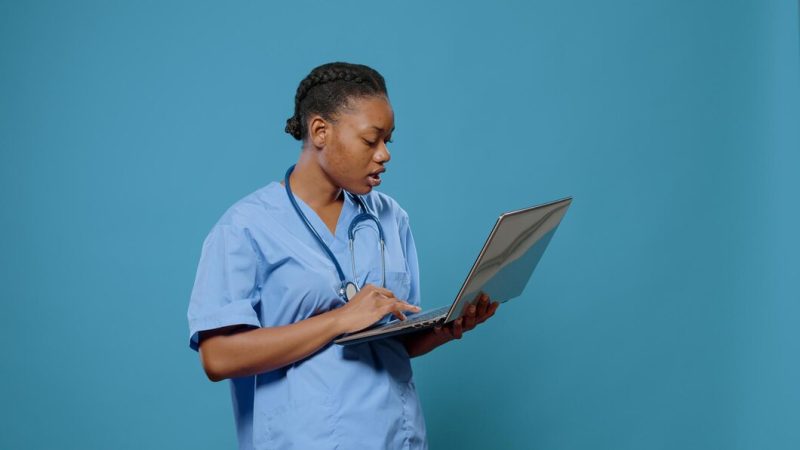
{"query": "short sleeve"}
[(226, 287), (412, 263)]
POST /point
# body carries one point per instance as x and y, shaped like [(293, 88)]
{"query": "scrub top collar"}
[(349, 210)]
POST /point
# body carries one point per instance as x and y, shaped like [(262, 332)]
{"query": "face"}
[(353, 151)]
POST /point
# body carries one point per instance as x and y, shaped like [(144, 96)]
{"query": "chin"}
[(361, 190)]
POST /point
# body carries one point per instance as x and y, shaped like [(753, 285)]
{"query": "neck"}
[(312, 184)]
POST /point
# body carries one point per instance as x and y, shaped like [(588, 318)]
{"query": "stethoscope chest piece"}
[(350, 290)]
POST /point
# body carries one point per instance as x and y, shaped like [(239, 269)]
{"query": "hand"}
[(470, 318), (368, 306)]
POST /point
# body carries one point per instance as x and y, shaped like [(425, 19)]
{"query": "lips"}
[(375, 177)]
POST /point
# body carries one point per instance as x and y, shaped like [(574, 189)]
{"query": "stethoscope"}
[(347, 289)]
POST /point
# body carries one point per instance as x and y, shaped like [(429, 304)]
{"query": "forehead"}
[(368, 113)]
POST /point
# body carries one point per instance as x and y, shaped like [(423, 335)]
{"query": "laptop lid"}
[(510, 254)]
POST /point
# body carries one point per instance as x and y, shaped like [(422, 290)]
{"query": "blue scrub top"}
[(261, 266)]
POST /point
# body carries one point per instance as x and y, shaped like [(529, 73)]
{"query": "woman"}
[(273, 286)]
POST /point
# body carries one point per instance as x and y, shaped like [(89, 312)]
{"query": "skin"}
[(339, 153)]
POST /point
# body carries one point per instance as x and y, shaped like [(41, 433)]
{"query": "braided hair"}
[(327, 89)]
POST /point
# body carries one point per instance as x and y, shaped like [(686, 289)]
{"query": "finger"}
[(489, 312), (457, 329), (399, 305), (408, 306), (397, 308), (485, 317), (483, 305), (469, 318), (492, 308)]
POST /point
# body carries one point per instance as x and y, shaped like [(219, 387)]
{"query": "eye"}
[(370, 143)]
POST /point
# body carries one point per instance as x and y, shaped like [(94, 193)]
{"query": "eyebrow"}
[(381, 129)]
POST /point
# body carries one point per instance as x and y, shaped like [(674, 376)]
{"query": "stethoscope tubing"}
[(344, 292)]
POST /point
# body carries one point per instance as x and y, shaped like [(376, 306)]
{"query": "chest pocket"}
[(399, 283)]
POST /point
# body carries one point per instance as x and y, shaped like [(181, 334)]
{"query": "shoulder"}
[(252, 209), (385, 206)]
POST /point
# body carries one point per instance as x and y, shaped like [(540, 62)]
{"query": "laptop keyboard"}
[(417, 319)]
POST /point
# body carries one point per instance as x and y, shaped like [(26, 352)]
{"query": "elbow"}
[(213, 367), (214, 375)]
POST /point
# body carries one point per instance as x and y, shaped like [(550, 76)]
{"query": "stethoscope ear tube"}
[(347, 289), (383, 265)]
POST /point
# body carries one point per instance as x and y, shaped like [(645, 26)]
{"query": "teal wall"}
[(663, 316)]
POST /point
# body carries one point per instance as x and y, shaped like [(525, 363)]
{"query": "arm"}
[(229, 352), (420, 343)]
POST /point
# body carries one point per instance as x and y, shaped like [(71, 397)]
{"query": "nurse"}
[(268, 298)]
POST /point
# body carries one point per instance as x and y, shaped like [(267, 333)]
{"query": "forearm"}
[(265, 349)]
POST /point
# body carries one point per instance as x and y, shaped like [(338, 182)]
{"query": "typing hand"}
[(370, 305)]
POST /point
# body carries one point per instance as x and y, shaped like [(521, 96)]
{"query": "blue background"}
[(663, 316)]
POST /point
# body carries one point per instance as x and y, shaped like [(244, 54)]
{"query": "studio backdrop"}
[(664, 314)]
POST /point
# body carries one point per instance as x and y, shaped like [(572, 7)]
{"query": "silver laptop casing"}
[(501, 270)]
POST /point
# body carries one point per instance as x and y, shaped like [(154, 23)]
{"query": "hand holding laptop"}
[(428, 339), (473, 315)]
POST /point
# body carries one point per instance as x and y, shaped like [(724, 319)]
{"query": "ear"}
[(318, 129)]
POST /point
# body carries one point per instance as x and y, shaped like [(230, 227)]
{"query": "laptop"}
[(502, 269)]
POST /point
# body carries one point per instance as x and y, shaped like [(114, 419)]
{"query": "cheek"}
[(333, 156), (346, 157), (343, 165)]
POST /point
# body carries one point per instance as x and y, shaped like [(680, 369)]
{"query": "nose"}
[(382, 155)]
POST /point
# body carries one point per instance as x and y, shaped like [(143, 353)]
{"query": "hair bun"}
[(293, 127)]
